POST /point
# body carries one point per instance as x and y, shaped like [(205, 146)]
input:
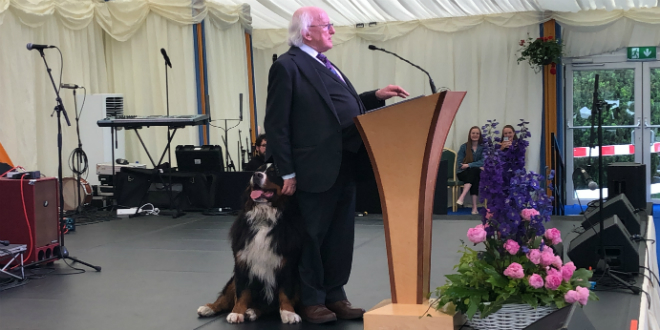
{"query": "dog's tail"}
[(224, 303)]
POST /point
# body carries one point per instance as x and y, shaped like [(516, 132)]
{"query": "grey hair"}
[(298, 27)]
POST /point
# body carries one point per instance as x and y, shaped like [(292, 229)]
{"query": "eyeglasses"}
[(263, 145), (324, 26)]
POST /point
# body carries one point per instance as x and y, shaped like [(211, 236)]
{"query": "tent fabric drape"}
[(91, 37), (122, 19)]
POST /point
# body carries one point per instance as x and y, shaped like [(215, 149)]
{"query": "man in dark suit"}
[(314, 144)]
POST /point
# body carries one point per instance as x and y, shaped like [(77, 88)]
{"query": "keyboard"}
[(134, 121)]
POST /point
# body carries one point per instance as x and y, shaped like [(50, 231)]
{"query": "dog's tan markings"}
[(225, 301), (287, 313), (237, 314)]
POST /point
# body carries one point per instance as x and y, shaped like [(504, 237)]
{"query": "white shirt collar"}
[(311, 51)]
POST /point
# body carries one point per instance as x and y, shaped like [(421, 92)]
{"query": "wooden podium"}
[(405, 142)]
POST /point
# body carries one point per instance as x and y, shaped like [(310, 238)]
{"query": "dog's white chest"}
[(261, 259)]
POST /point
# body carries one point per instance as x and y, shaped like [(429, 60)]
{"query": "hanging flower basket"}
[(541, 51), (510, 317)]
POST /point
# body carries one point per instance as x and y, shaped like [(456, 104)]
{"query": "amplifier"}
[(41, 199)]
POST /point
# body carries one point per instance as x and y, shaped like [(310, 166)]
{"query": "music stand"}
[(59, 108)]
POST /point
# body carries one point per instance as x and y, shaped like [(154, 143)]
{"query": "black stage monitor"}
[(619, 206), (199, 159), (571, 317)]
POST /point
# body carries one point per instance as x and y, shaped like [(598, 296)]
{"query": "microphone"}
[(587, 178), (433, 90), (32, 46), (69, 86), (274, 58), (167, 59)]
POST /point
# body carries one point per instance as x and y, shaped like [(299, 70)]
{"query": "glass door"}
[(620, 85), (651, 134)]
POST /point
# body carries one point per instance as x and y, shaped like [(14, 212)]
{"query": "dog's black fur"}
[(266, 240)]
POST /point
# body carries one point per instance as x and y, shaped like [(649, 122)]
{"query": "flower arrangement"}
[(519, 264), (541, 51)]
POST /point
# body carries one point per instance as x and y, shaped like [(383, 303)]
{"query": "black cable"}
[(18, 283), (652, 273)]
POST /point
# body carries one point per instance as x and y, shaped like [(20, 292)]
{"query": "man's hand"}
[(289, 186), (390, 91)]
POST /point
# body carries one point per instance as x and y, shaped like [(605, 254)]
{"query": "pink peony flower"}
[(567, 271), (515, 270), (534, 256), (553, 272), (553, 235), (547, 257), (527, 214), (536, 281), (557, 262), (477, 234), (583, 295), (512, 246), (552, 282), (571, 296)]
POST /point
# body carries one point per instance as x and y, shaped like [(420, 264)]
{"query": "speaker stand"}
[(63, 253), (603, 264)]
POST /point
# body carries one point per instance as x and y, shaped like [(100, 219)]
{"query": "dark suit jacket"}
[(302, 126)]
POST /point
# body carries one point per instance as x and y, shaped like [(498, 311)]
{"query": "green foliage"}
[(540, 51), (481, 286)]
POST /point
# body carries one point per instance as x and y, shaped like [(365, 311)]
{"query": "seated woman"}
[(508, 136), (468, 170)]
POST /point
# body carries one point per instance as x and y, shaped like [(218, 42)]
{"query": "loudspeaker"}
[(41, 199), (199, 159), (628, 179), (571, 317), (620, 250), (619, 206)]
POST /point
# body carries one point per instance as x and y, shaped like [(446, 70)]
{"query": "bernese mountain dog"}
[(266, 240)]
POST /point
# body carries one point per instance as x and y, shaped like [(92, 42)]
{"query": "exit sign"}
[(641, 53)]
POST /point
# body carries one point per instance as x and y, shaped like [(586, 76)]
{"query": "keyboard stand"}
[(13, 251)]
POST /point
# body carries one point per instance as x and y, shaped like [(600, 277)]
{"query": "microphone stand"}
[(225, 139), (63, 253), (175, 212), (603, 262)]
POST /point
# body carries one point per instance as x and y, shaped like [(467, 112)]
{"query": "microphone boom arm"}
[(433, 89)]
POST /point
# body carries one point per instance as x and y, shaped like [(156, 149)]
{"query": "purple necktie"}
[(324, 60)]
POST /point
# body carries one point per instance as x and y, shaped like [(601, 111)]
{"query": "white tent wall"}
[(129, 35), (480, 60), (28, 132), (226, 58), (136, 69)]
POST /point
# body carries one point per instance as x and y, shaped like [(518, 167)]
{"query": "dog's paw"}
[(251, 314), (289, 317), (235, 318), (205, 311)]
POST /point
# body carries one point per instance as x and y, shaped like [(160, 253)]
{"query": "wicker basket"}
[(510, 317)]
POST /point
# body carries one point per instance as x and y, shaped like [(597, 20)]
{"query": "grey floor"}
[(158, 270)]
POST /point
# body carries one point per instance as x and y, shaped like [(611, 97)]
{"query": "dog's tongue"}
[(256, 194)]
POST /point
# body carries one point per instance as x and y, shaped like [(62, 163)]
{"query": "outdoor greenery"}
[(616, 87)]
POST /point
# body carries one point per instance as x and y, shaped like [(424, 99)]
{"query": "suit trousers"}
[(327, 257)]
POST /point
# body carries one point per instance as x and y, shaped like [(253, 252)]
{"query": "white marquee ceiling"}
[(275, 14)]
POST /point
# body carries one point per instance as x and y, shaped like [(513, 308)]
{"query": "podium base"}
[(386, 315)]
